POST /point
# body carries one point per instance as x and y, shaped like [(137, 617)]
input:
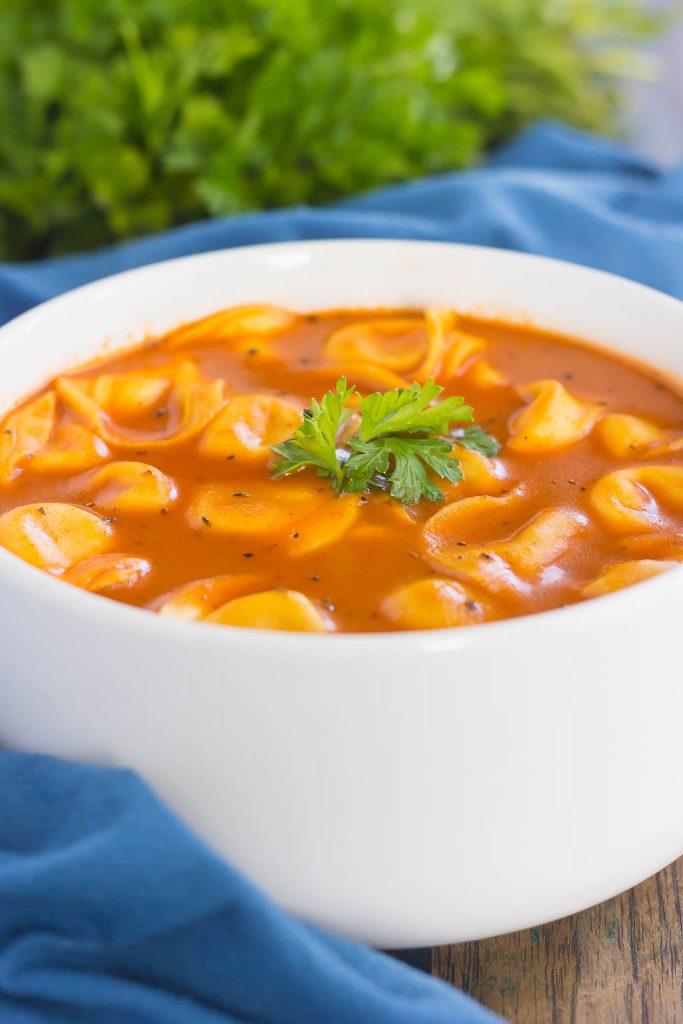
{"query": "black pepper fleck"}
[(207, 522), (239, 494), (315, 579), (42, 511), (247, 554)]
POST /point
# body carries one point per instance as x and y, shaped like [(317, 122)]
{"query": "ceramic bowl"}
[(405, 789)]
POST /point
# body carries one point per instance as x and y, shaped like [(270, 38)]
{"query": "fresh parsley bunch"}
[(128, 116), (401, 435)]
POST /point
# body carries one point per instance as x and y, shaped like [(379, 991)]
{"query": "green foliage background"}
[(119, 117)]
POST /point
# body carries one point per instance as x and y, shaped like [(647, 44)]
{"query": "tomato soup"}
[(148, 477)]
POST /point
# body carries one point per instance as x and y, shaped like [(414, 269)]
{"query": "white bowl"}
[(404, 789)]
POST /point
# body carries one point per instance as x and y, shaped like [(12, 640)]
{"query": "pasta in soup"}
[(348, 471)]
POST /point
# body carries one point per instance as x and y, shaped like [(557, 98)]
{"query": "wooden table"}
[(618, 963)]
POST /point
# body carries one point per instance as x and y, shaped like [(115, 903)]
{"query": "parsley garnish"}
[(401, 436), (314, 443), (477, 440)]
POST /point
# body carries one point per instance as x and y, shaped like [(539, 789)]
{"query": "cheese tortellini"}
[(434, 604), (296, 515), (54, 535), (248, 426), (554, 419), (199, 599), (271, 609), (131, 487), (37, 437), (110, 571), (625, 574), (637, 499), (508, 564), (109, 404)]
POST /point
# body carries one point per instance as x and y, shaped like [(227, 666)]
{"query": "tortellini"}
[(299, 516), (636, 499), (36, 436), (553, 420), (395, 343), (197, 600), (500, 564), (418, 346), (54, 536), (25, 432), (438, 322), (459, 354), (110, 571), (247, 426), (627, 437), (367, 377), (131, 487), (433, 604), (481, 474), (484, 376), (272, 609), (72, 449), (191, 403), (237, 323), (625, 574)]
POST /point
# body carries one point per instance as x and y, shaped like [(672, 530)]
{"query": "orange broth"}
[(364, 562)]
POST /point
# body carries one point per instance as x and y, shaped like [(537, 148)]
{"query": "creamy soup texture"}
[(147, 477)]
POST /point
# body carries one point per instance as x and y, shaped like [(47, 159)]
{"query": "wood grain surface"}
[(617, 963)]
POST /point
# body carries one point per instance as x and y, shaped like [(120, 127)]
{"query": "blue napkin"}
[(111, 911)]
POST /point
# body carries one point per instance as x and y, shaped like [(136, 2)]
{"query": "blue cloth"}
[(111, 911)]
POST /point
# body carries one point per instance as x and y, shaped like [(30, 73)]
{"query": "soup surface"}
[(148, 477)]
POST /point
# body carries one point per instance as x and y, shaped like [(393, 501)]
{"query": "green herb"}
[(404, 461), (408, 411), (477, 440), (127, 116), (401, 436), (314, 443)]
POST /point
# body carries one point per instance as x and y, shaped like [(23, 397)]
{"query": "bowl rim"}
[(52, 590)]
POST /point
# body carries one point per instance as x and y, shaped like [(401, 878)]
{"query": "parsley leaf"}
[(314, 443), (407, 460), (408, 411), (402, 436), (477, 440)]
